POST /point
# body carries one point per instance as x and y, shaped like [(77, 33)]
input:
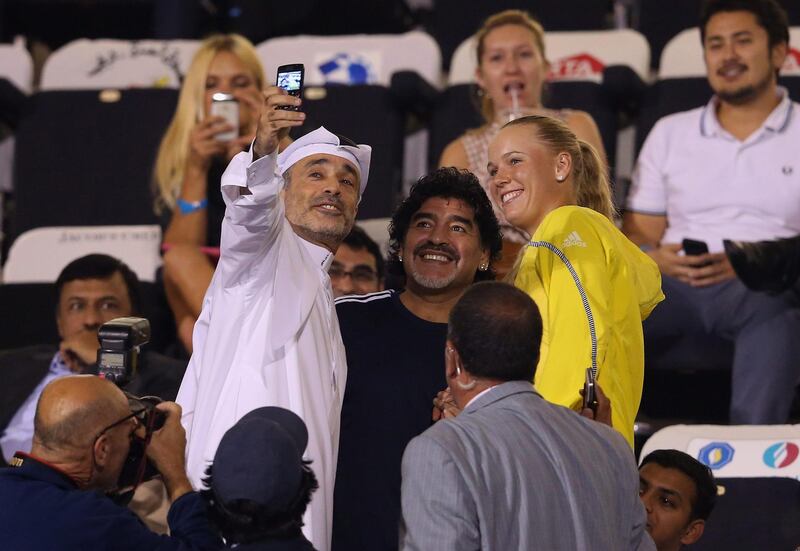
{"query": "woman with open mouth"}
[(510, 77)]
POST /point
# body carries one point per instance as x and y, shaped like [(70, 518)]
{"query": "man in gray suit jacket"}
[(513, 471)]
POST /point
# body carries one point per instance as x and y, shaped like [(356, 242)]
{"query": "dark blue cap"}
[(260, 459)]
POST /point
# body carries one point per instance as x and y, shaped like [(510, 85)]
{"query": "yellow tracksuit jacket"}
[(593, 288)]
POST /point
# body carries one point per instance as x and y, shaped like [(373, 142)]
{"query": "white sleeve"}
[(648, 190), (252, 221)]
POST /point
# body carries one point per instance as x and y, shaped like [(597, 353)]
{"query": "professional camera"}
[(120, 339), (118, 361)]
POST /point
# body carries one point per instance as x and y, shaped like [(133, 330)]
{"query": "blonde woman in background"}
[(511, 73), (592, 285), (189, 166)]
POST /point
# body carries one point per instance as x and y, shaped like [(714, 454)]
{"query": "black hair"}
[(769, 14), (450, 183), (245, 521), (101, 266), (701, 475), (497, 331), (358, 240)]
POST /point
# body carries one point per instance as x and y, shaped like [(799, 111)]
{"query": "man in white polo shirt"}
[(729, 170)]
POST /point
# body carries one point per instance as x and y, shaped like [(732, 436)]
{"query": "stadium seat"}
[(565, 15), (735, 451), (354, 59), (753, 513), (16, 65), (600, 72), (84, 158), (39, 255), (38, 326), (660, 21), (95, 64)]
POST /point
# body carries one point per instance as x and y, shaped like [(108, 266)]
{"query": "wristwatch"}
[(188, 207)]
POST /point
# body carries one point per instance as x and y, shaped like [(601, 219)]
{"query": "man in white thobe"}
[(268, 333)]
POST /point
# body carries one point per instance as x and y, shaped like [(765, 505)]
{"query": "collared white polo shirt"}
[(711, 186)]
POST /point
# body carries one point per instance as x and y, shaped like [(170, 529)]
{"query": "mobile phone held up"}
[(225, 106), (693, 247), (590, 392), (290, 78)]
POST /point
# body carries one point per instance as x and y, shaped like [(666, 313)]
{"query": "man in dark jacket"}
[(91, 291), (84, 427)]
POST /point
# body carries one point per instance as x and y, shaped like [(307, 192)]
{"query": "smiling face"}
[(511, 63), (739, 62), (667, 495), (442, 248), (229, 75), (524, 177), (321, 199)]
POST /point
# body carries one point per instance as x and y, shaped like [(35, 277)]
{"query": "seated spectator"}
[(357, 267), (511, 73), (259, 486), (678, 493), (513, 471), (91, 290), (592, 285), (727, 170), (84, 429), (444, 236), (189, 167)]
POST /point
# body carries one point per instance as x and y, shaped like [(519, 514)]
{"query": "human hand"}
[(603, 407), (80, 350), (674, 264), (203, 144), (274, 123), (167, 449), (444, 406), (711, 268)]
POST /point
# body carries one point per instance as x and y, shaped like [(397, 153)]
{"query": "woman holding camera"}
[(190, 163), (592, 285), (511, 73)]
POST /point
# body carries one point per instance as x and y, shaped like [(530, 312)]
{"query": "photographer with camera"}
[(84, 430), (90, 291)]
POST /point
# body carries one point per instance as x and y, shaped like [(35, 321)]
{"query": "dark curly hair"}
[(245, 521), (450, 183), (769, 14)]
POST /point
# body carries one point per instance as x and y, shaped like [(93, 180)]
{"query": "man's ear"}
[(693, 532), (101, 449), (452, 361), (778, 53)]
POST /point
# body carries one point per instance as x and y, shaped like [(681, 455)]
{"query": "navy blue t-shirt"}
[(395, 367)]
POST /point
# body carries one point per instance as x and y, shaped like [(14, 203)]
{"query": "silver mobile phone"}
[(590, 392), (226, 106)]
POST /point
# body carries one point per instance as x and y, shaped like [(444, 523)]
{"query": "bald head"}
[(73, 410)]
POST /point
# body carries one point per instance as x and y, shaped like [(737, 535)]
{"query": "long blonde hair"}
[(589, 173), (507, 17), (174, 148)]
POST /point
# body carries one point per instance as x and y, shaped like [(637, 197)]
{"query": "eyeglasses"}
[(358, 275), (139, 415)]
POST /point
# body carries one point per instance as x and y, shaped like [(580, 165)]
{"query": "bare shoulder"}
[(581, 123), (455, 155)]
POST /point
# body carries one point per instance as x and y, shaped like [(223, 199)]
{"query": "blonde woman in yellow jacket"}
[(592, 285)]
